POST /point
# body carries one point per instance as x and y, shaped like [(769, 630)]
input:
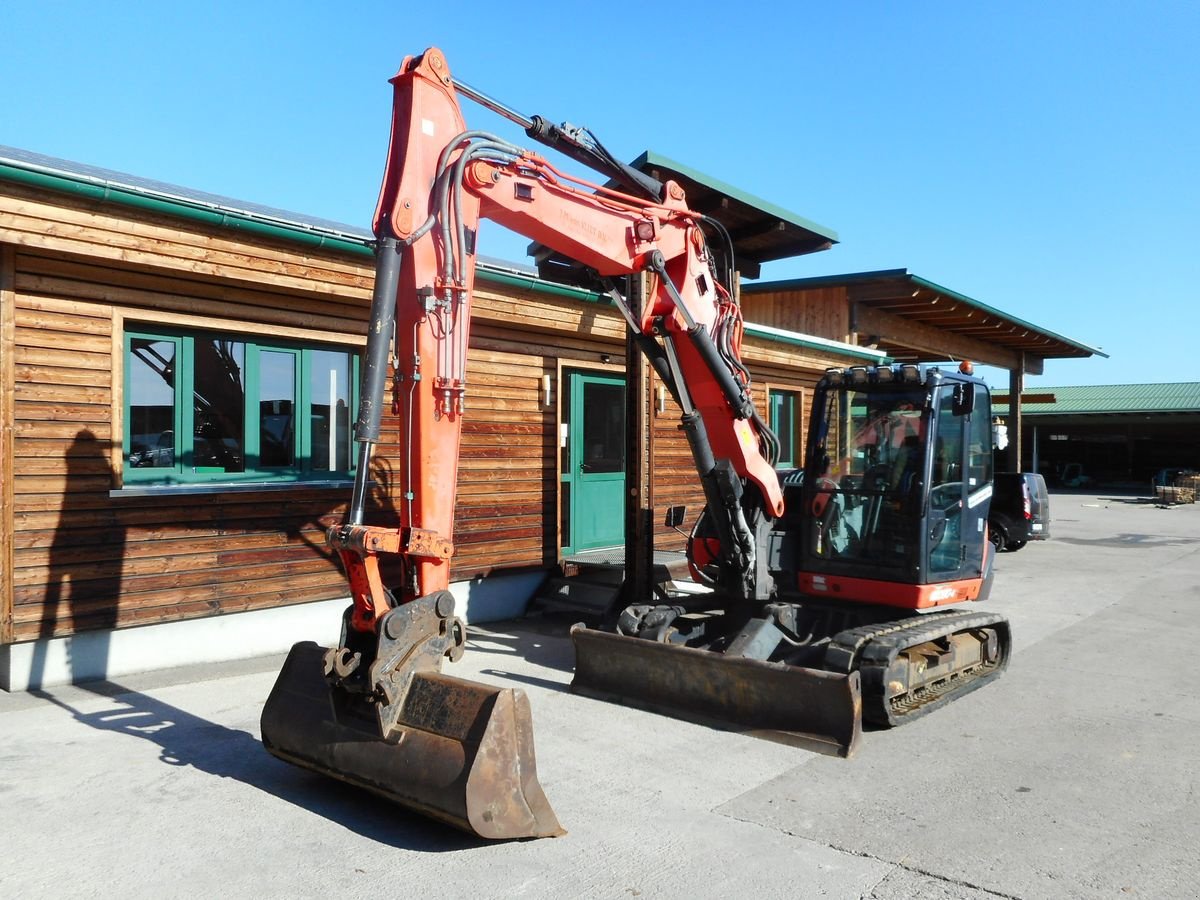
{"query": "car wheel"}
[(1014, 546), (996, 536)]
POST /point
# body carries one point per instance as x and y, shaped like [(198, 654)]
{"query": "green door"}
[(593, 476)]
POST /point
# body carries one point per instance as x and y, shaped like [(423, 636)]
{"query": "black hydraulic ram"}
[(701, 340), (379, 341), (577, 143)]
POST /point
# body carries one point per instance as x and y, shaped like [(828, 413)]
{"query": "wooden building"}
[(178, 378)]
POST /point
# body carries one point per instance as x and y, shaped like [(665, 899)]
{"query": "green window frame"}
[(783, 415), (213, 408)]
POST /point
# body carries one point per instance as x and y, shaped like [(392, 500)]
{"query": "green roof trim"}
[(179, 207), (812, 342), (255, 223), (209, 212), (1108, 399), (650, 158), (917, 280)]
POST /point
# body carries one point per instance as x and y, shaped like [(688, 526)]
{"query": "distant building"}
[(1112, 434)]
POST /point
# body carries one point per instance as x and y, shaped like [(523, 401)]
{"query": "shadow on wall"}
[(86, 572), (81, 594)]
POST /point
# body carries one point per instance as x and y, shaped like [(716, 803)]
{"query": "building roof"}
[(106, 185), (925, 304), (761, 231), (1101, 399)]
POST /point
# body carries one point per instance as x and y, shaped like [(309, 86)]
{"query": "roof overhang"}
[(916, 320), (759, 230)]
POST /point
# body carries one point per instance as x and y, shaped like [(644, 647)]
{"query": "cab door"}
[(960, 483)]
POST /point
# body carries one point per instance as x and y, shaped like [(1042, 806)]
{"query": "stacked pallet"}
[(1182, 490)]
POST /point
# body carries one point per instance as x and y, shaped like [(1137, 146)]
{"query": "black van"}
[(1020, 510)]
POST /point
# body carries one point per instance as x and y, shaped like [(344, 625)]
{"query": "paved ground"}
[(1073, 776)]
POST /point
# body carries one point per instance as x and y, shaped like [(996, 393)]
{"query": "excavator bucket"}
[(808, 708), (455, 750)]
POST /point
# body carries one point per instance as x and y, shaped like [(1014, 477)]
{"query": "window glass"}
[(947, 451), (329, 410), (203, 407), (218, 405), (783, 419), (603, 428), (869, 461), (150, 388), (979, 451), (276, 404)]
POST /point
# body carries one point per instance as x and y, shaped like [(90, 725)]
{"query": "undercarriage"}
[(800, 672)]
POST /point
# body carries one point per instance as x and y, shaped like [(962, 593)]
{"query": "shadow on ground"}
[(185, 739), (544, 641)]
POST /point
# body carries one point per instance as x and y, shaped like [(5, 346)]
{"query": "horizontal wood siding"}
[(81, 558), (823, 312), (675, 479), (7, 434)]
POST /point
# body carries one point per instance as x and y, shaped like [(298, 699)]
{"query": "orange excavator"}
[(828, 587)]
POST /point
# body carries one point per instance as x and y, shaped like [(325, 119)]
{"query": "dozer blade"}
[(460, 751), (808, 708)]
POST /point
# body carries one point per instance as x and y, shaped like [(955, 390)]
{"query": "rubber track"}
[(871, 649)]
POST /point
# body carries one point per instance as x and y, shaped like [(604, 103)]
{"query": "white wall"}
[(97, 655)]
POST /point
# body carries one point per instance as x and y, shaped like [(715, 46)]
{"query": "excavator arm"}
[(376, 710), (440, 180)]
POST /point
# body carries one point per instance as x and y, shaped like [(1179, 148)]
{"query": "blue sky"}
[(1039, 157)]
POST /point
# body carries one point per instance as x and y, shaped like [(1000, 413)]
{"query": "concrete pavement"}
[(1072, 776)]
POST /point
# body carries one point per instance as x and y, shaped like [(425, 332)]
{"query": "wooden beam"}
[(639, 501), (933, 341), (756, 229), (1016, 383), (8, 302)]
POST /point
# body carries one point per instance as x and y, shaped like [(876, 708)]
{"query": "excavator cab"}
[(899, 478)]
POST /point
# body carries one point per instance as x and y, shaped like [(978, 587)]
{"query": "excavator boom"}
[(385, 676)]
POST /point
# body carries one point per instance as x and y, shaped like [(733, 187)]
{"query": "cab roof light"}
[(884, 374), (834, 376), (910, 373), (858, 374)]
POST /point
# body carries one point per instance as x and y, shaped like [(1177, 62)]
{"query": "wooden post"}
[(7, 411), (1016, 383), (639, 507)]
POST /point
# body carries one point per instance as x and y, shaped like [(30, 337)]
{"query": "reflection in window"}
[(947, 452), (219, 400), (150, 385), (329, 410), (276, 402), (979, 451), (866, 501), (783, 407), (203, 407), (603, 428)]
